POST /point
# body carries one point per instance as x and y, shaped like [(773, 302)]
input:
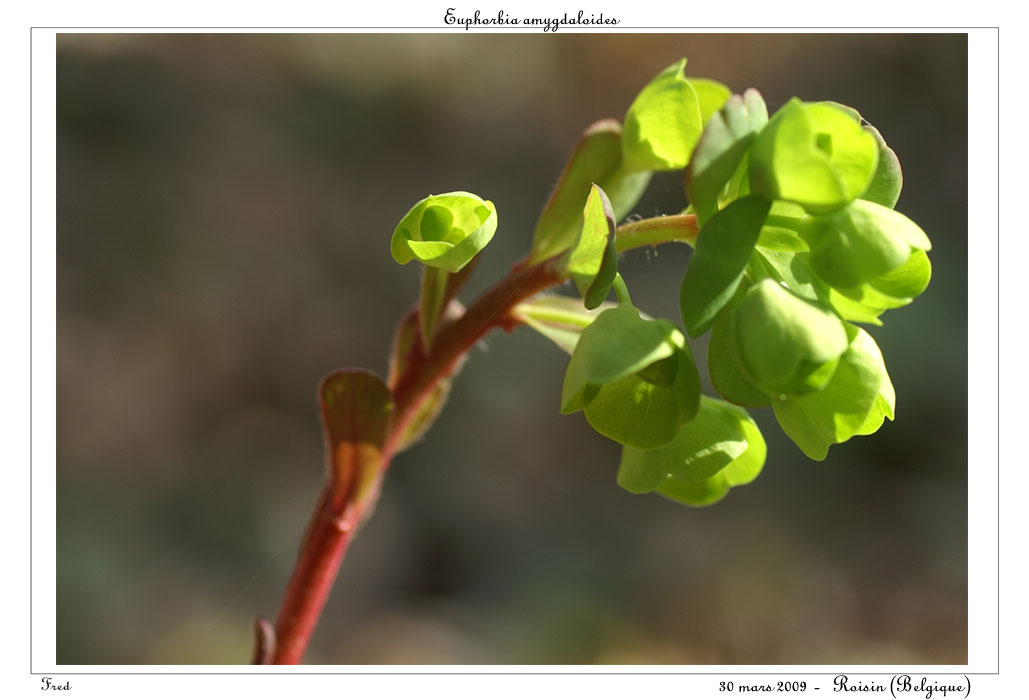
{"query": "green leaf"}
[(617, 344), (783, 342), (816, 155), (720, 448), (861, 242), (855, 402), (561, 319), (907, 281), (711, 95), (862, 304), (703, 447), (726, 376), (444, 231), (721, 149), (634, 378), (888, 179), (696, 493), (663, 123), (593, 261), (647, 409), (355, 407), (781, 232), (724, 246), (597, 158)]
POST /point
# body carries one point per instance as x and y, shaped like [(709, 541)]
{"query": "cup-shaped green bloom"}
[(634, 378), (784, 344), (815, 154), (861, 242), (837, 259), (445, 230), (720, 448), (857, 401)]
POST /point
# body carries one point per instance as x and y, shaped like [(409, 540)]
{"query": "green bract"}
[(560, 319), (597, 159), (861, 242), (795, 237), (783, 343), (664, 122), (855, 402), (720, 448), (593, 262), (814, 154), (784, 255), (445, 231), (724, 247), (888, 178), (721, 149), (633, 377)]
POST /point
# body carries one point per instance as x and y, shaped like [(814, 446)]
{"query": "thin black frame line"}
[(998, 351), (536, 28), (31, 432), (244, 673), (71, 674)]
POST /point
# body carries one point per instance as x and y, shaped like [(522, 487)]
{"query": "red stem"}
[(336, 517)]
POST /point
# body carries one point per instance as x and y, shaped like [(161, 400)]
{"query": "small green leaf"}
[(597, 158), (855, 402), (696, 493), (711, 95), (561, 319), (703, 447), (888, 179), (724, 246), (907, 281), (783, 342), (726, 376), (816, 155), (720, 448), (634, 377), (647, 409), (721, 149), (444, 231), (355, 407), (663, 123), (861, 242), (781, 232), (593, 261), (617, 344), (862, 304)]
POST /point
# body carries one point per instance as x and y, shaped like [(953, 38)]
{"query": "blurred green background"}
[(225, 204)]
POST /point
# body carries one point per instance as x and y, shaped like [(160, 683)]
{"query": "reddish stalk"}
[(337, 517)]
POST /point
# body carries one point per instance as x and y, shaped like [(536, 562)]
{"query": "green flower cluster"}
[(798, 242)]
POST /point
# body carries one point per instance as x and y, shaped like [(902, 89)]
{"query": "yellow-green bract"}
[(633, 377), (856, 401), (720, 448), (445, 231), (814, 154), (783, 343), (664, 122), (862, 242)]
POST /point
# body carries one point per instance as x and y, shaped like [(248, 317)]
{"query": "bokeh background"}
[(225, 204)]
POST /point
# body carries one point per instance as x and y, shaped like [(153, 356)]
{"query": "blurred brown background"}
[(225, 204)]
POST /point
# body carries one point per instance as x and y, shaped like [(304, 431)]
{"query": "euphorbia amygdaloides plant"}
[(795, 242)]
